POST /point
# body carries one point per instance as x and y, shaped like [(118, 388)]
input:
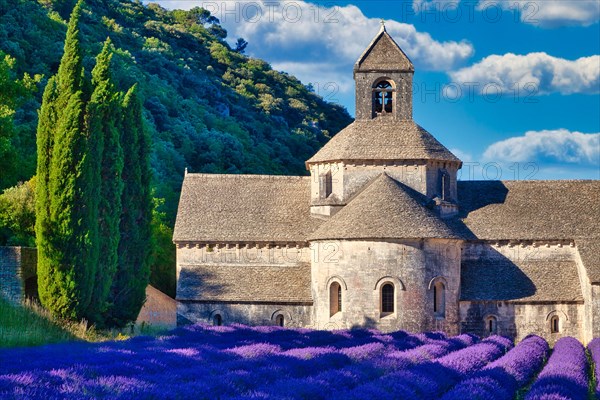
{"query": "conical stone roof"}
[(386, 209), (383, 139)]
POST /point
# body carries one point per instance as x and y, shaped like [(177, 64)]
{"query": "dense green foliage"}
[(206, 106), (67, 190), (103, 115), (93, 236), (13, 92), (17, 215), (133, 273)]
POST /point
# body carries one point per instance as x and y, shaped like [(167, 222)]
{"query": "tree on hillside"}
[(66, 197), (12, 92), (102, 116), (129, 286)]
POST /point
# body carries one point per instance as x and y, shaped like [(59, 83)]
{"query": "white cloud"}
[(547, 146), (533, 73), (310, 40), (550, 13), (544, 13)]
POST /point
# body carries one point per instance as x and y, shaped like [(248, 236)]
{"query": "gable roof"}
[(498, 278), (244, 208), (383, 54), (530, 210), (245, 283), (386, 209), (589, 252), (383, 139), (534, 210)]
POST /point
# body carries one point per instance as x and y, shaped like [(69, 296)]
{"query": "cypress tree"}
[(47, 120), (67, 230), (133, 273), (103, 113)]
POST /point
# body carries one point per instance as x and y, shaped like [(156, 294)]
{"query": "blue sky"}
[(511, 86)]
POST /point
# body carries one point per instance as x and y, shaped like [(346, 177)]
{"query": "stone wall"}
[(18, 267), (363, 267), (517, 320), (403, 94), (250, 314)]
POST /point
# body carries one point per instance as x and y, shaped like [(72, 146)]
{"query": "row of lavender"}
[(240, 362)]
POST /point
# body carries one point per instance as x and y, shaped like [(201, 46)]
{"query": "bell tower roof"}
[(383, 54)]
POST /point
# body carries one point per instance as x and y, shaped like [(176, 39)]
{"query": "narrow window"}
[(491, 325), (387, 299), (335, 298), (325, 185), (554, 324), (383, 98), (279, 320), (217, 320), (439, 299)]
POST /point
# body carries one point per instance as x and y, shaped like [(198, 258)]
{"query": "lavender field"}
[(240, 362)]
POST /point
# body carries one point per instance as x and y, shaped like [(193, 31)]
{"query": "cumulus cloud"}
[(310, 40), (547, 146), (544, 13), (550, 13), (532, 74)]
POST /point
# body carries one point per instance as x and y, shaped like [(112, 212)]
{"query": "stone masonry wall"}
[(517, 320), (17, 265), (362, 267), (403, 94), (250, 314)]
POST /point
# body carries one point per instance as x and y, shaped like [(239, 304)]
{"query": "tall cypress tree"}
[(133, 273), (67, 231), (103, 114)]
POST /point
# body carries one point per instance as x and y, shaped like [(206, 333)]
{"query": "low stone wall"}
[(297, 316), (18, 267), (517, 320)]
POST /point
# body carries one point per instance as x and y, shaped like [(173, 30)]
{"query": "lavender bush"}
[(241, 362), (501, 379), (565, 375), (594, 349)]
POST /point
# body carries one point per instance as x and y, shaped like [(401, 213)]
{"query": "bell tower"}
[(383, 77)]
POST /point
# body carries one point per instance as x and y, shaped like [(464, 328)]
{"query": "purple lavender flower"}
[(594, 349), (500, 379), (565, 374)]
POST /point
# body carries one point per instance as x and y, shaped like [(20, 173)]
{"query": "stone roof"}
[(245, 283), (589, 251), (383, 139), (244, 208), (383, 54), (529, 210), (520, 280), (386, 209)]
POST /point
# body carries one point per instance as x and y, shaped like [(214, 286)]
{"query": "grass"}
[(30, 325)]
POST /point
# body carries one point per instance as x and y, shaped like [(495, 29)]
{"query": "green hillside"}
[(207, 106)]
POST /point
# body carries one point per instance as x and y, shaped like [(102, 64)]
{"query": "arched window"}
[(335, 298), (555, 324), (383, 98), (439, 299), (387, 299), (217, 320), (491, 324), (280, 320)]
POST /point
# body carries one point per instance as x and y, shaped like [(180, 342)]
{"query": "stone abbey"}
[(383, 235)]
